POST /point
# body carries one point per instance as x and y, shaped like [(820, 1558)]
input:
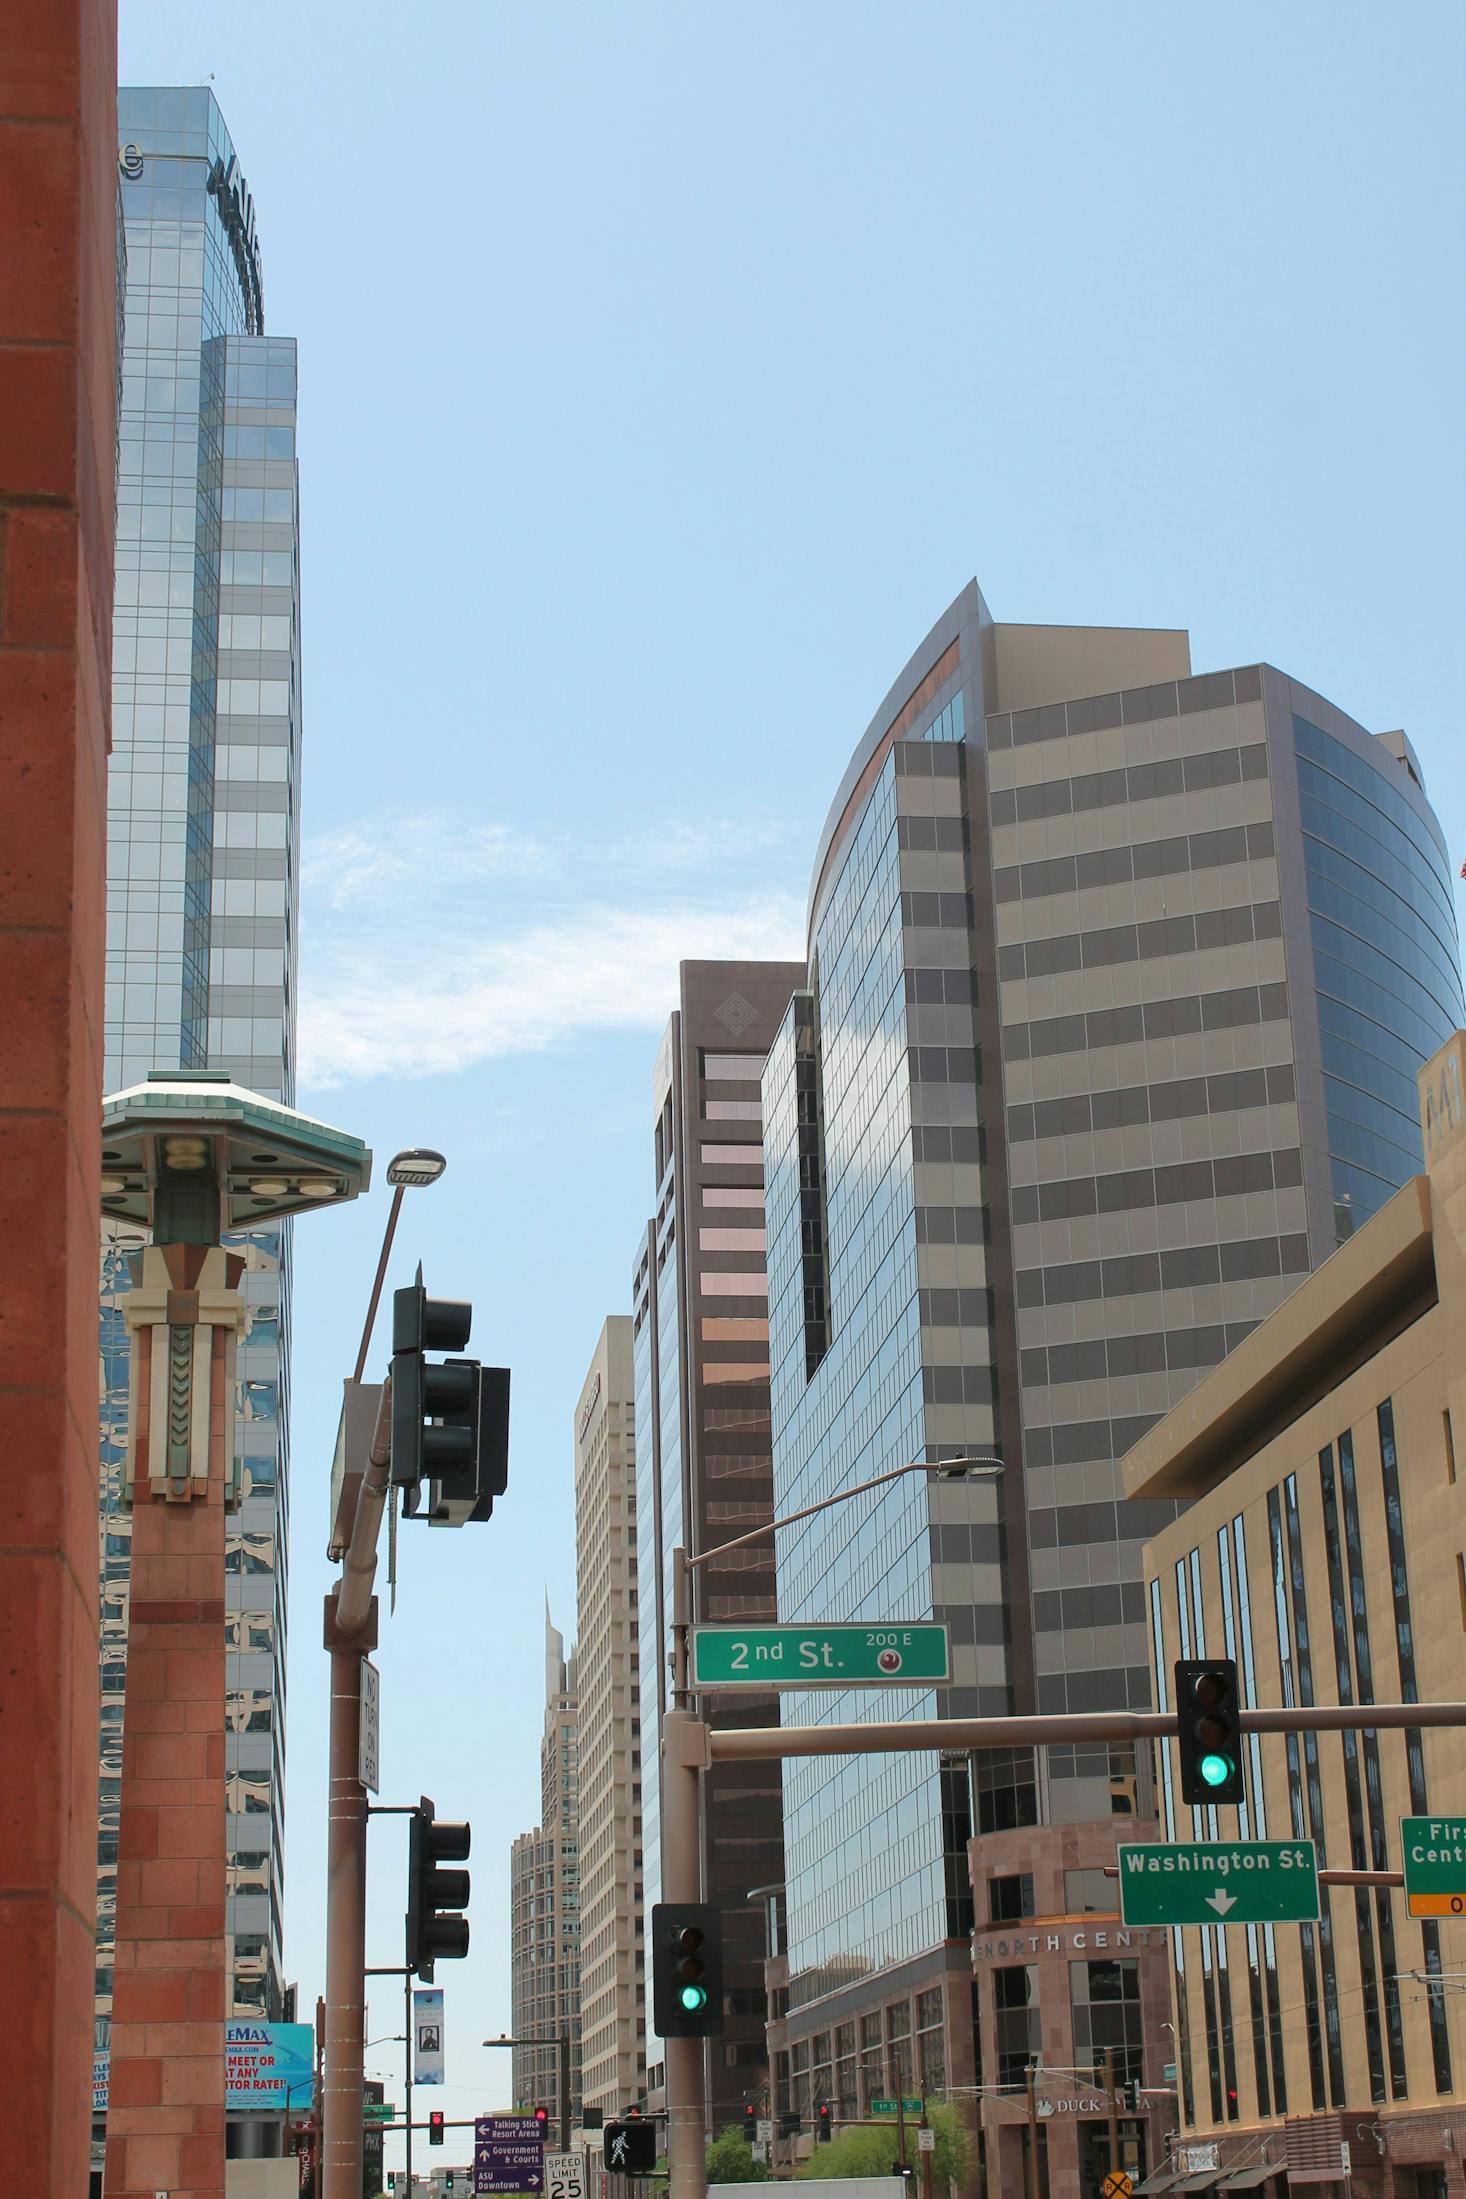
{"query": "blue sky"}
[(665, 372)]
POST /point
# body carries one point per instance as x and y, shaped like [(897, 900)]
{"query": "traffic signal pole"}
[(684, 1760), (350, 1634)]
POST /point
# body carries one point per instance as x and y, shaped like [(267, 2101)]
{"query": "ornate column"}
[(165, 2122)]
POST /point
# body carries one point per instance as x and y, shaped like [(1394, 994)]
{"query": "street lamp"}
[(684, 1758), (350, 1636), (415, 1169), (561, 2039), (978, 1467), (190, 1156)]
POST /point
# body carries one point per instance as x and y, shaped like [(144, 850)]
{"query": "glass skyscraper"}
[(1118, 982), (203, 870), (700, 1368)]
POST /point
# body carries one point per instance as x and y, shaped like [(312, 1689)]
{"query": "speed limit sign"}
[(564, 2176)]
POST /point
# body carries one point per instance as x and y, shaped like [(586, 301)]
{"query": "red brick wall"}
[(58, 307)]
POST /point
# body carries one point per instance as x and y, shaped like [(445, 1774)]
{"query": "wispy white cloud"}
[(369, 1012), (420, 856)]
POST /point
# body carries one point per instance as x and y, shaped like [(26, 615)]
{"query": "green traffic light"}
[(1216, 1770), (693, 1997)]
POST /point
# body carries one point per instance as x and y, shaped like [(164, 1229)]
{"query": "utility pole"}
[(351, 1633), (1110, 2107), (1031, 2165)]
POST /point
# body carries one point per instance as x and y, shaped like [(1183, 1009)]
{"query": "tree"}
[(868, 2149), (730, 2159)]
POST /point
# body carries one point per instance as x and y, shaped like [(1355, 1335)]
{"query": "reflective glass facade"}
[(1080, 1082), (703, 1467), (203, 864)]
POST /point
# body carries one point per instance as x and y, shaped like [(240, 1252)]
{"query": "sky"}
[(666, 371)]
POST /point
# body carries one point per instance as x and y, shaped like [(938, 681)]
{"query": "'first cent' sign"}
[(1434, 1854), (763, 1657)]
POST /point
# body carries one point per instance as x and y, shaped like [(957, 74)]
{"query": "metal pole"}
[(926, 2158), (407, 2073), (946, 1469), (565, 2088), (1031, 2165), (900, 2090), (350, 1632), (737, 1743), (684, 1758), (1110, 2107), (345, 1935), (366, 1334)]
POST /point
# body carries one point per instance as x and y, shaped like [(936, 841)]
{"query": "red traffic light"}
[(542, 2116), (435, 2127)]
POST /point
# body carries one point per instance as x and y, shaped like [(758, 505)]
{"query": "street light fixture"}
[(978, 1467), (560, 2039), (415, 1169), (350, 1634), (683, 1739)]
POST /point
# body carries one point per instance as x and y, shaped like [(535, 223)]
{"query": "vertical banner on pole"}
[(427, 2036)]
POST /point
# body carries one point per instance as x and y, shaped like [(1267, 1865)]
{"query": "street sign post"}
[(1434, 1853), (1219, 1882), (888, 2107), (764, 1657)]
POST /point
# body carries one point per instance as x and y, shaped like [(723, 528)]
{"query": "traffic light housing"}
[(450, 1417), (542, 2120), (687, 1970), (435, 2127), (1208, 1715), (822, 2123), (750, 2123), (434, 1932), (629, 2148)]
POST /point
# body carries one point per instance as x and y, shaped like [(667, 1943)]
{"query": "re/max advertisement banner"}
[(267, 2066)]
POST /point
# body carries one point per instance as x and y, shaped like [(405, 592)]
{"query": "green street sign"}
[(1434, 1853), (888, 2107), (1219, 1882), (763, 1657), (378, 2111)]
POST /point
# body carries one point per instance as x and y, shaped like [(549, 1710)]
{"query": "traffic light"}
[(448, 2179), (542, 2120), (822, 2124), (1208, 1713), (435, 2127), (450, 1418), (687, 1970), (750, 2123), (629, 2148), (434, 1934)]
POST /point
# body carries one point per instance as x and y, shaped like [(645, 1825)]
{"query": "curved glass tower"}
[(202, 881), (1118, 982)]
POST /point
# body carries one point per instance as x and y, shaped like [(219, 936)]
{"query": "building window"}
[(1015, 2002), (1011, 1898), (1105, 1998)]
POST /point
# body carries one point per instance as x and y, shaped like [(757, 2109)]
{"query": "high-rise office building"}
[(544, 1902), (1118, 983), (612, 1976), (703, 1468), (203, 879)]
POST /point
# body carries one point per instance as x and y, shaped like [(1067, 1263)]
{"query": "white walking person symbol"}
[(618, 2150)]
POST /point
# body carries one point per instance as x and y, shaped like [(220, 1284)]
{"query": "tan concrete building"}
[(612, 1994), (1323, 1549), (544, 1902)]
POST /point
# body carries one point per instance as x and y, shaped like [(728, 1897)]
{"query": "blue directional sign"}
[(508, 2153)]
